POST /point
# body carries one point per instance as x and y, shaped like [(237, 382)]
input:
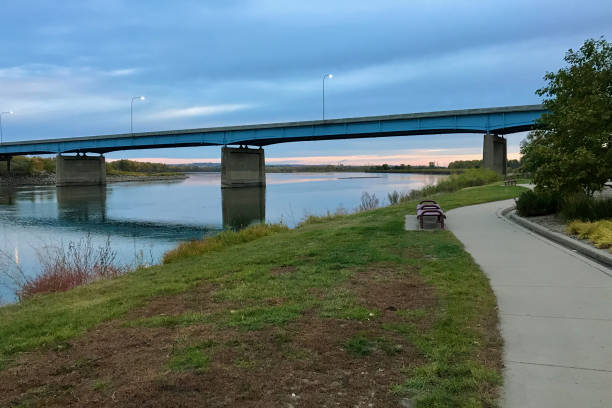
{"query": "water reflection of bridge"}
[(84, 208)]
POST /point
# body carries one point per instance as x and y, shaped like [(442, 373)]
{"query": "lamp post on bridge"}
[(326, 76), (3, 113), (142, 98)]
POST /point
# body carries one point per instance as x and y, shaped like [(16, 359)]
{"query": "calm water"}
[(145, 219)]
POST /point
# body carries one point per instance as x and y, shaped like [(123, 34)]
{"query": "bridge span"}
[(243, 166)]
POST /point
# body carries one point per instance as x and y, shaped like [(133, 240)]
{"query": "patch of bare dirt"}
[(200, 299), (384, 287), (283, 270)]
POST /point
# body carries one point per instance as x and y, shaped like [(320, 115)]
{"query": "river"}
[(143, 220)]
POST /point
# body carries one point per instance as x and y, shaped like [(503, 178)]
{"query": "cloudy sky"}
[(70, 68)]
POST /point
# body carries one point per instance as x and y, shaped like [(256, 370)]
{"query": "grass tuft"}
[(190, 358), (360, 345), (223, 240)]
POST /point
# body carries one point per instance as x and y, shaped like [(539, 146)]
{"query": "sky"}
[(70, 68)]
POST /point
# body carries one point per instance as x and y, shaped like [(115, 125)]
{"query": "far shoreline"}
[(49, 180)]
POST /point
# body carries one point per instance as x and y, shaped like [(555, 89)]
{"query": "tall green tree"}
[(571, 151)]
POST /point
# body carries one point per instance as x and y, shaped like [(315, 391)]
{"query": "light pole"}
[(326, 76), (3, 113), (142, 98)]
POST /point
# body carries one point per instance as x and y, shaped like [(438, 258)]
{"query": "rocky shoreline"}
[(49, 180)]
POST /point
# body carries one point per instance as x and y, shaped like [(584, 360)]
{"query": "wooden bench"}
[(510, 182), (430, 208)]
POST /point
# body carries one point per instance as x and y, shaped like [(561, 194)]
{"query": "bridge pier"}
[(494, 153), (8, 165), (243, 206), (80, 171), (242, 167)]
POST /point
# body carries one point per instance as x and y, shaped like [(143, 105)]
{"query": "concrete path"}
[(555, 309)]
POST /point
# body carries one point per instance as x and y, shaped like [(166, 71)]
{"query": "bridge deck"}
[(501, 120)]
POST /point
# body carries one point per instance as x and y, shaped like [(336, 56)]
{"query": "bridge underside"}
[(245, 168), (240, 167), (172, 142)]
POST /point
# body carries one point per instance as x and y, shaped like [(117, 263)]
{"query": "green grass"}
[(190, 358), (323, 255)]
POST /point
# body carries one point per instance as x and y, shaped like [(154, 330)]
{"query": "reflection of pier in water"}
[(84, 209), (82, 204), (243, 206)]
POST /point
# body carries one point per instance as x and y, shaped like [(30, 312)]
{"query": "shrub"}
[(368, 202), (394, 197), (223, 240), (531, 203), (599, 233), (582, 207), (67, 266)]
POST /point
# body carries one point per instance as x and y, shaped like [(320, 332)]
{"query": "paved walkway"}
[(555, 309)]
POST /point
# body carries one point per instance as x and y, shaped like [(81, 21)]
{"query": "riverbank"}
[(420, 171), (342, 309), (49, 180)]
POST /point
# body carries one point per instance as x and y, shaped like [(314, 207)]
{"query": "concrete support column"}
[(6, 172), (242, 167), (243, 206), (494, 153), (80, 171)]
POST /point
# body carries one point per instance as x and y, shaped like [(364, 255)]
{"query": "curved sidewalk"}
[(555, 308)]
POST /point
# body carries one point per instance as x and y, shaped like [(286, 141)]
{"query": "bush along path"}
[(341, 311)]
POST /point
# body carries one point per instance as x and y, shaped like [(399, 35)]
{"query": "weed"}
[(67, 266), (394, 197), (100, 385), (223, 240), (190, 358), (368, 202), (360, 345)]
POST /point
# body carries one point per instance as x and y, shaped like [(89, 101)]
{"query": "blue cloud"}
[(70, 68)]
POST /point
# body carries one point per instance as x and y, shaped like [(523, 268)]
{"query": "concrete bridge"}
[(244, 166)]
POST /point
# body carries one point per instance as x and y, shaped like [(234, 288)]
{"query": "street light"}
[(326, 76), (3, 113), (142, 98)]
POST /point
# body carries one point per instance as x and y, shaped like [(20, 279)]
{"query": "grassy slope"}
[(114, 172), (323, 256)]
